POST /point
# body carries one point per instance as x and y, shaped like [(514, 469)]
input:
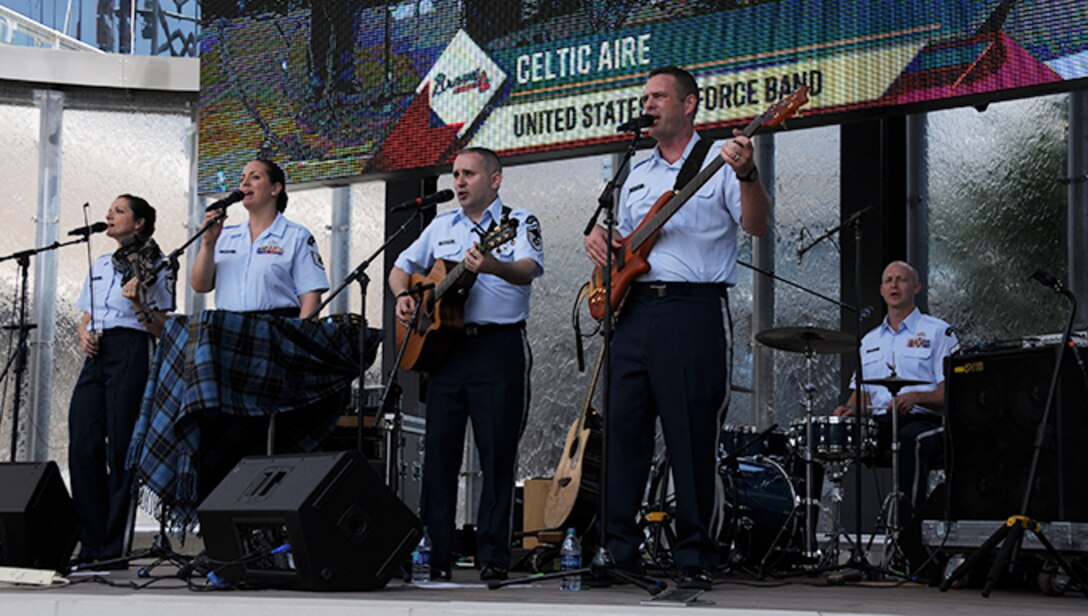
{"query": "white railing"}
[(35, 34)]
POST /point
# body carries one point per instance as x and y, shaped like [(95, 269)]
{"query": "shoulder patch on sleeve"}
[(532, 230)]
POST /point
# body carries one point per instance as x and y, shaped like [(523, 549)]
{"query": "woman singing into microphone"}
[(268, 265), (120, 316)]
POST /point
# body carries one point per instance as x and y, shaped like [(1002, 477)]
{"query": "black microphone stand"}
[(1012, 531), (19, 357), (603, 566), (391, 387), (171, 259)]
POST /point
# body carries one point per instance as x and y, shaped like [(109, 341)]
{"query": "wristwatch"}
[(752, 176)]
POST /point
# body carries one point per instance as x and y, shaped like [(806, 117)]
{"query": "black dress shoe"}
[(696, 578), (492, 572), (440, 575)]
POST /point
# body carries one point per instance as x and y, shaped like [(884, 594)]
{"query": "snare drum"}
[(734, 437), (833, 437)]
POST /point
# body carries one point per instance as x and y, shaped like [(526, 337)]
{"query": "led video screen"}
[(334, 89)]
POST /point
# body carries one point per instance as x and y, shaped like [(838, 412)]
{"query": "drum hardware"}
[(836, 471), (809, 341), (894, 384)]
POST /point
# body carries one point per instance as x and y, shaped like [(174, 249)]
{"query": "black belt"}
[(123, 331), (679, 289), (289, 312), (479, 329)]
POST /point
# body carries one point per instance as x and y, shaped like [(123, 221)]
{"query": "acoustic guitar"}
[(572, 497), (441, 296), (630, 259)]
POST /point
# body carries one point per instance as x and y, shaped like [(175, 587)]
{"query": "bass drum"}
[(762, 518)]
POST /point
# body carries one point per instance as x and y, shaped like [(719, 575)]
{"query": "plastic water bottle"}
[(421, 560), (570, 555)]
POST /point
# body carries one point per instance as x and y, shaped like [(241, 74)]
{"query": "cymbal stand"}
[(891, 541), (811, 504)]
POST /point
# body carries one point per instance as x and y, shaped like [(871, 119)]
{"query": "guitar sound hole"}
[(574, 448)]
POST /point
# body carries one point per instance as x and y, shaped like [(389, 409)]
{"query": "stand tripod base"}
[(602, 570), (1012, 533)]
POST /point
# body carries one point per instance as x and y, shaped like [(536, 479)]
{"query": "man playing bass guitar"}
[(485, 375), (672, 346)]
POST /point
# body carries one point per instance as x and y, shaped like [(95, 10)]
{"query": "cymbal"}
[(895, 381), (803, 339)]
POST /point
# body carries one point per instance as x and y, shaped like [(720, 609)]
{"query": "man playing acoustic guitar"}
[(485, 373), (672, 345)]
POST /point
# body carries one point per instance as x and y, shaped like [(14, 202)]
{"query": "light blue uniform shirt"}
[(270, 272), (111, 308), (917, 351), (450, 234), (699, 243)]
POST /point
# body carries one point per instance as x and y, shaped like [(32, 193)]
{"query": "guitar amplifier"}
[(996, 402)]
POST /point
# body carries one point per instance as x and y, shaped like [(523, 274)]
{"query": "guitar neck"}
[(451, 279), (682, 196), (587, 406)]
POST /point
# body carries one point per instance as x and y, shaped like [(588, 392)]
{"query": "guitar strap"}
[(693, 164)]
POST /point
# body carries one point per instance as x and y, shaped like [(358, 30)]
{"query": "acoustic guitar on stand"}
[(572, 497), (630, 259), (442, 304)]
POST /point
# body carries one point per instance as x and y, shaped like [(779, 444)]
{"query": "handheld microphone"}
[(643, 121), (441, 196), (222, 204), (97, 227)]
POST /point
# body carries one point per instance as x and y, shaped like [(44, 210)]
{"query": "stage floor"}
[(113, 594)]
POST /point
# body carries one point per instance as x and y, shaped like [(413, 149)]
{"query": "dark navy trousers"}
[(670, 359), (104, 408), (485, 381)]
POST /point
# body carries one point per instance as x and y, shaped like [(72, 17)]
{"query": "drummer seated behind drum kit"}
[(769, 476)]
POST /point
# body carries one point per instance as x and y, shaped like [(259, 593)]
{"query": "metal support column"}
[(340, 249), (763, 295), (918, 203), (39, 399), (194, 302), (1078, 202)]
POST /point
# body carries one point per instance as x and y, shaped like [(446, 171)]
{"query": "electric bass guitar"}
[(630, 260), (441, 296), (572, 497)]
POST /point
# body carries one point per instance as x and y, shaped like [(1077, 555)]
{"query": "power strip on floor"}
[(31, 577)]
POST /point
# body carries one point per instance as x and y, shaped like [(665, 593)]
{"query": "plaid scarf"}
[(209, 371)]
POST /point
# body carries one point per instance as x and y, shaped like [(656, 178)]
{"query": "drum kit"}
[(770, 477)]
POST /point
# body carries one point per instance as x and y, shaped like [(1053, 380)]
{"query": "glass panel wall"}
[(998, 213)]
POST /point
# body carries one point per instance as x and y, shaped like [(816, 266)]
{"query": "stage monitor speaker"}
[(995, 403), (345, 529), (38, 523)]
